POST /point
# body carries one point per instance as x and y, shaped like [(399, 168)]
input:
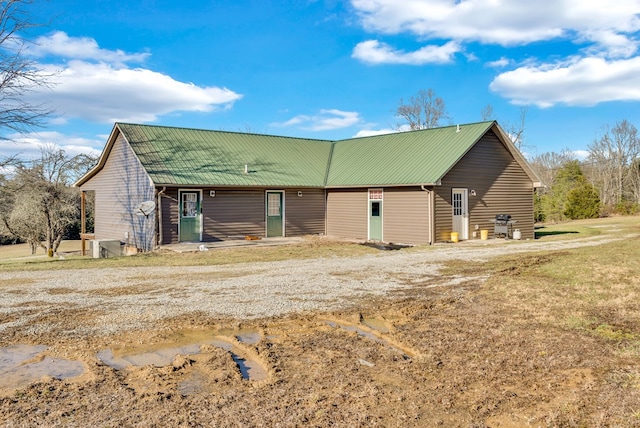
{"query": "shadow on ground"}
[(384, 246), (542, 233)]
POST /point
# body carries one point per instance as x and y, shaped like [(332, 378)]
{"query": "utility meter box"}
[(105, 248)]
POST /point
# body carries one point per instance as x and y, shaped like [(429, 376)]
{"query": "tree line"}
[(606, 182)]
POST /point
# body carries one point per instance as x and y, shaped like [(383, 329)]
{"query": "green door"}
[(375, 220), (189, 216), (274, 214)]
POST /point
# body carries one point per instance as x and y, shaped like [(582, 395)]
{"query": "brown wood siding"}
[(501, 186), (347, 213), (170, 211), (405, 215), (304, 215), (120, 187), (233, 213)]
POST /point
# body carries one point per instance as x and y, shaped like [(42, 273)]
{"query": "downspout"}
[(325, 212), (159, 216), (432, 222)]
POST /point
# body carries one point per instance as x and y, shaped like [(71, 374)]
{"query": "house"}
[(410, 187)]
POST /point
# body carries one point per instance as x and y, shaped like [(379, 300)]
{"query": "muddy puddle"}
[(248, 336), (372, 336), (376, 324), (355, 329), (163, 354), (21, 365)]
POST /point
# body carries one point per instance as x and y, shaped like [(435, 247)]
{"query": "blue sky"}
[(332, 69)]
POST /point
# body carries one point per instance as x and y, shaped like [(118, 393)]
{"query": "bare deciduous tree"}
[(40, 204), (515, 130), (18, 74), (547, 165), (634, 180), (487, 113), (422, 111), (613, 157)]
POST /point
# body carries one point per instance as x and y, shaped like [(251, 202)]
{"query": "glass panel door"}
[(375, 214), (190, 216), (459, 203), (274, 214)]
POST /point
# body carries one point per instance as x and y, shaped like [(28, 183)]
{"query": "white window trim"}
[(381, 200)]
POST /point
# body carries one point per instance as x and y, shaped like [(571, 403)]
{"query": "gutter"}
[(361, 186)]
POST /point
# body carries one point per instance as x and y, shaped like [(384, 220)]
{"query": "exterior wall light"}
[(212, 193), (299, 193)]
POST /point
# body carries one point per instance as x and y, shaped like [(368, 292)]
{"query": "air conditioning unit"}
[(105, 248)]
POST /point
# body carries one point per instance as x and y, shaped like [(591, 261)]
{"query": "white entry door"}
[(460, 203)]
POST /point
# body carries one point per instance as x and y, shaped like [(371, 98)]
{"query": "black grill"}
[(503, 217), (502, 225)]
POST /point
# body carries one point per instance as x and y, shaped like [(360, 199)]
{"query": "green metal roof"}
[(179, 156), (192, 157), (416, 157)]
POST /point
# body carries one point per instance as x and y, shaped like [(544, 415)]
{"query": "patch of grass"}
[(23, 250), (595, 290), (593, 326), (585, 228), (609, 332)]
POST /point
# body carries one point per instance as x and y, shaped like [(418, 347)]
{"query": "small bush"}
[(582, 202), (627, 208)]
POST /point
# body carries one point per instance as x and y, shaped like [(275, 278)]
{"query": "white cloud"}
[(97, 85), (61, 45), (375, 52), (499, 63), (576, 82), (581, 154), (617, 45), (602, 67), (502, 22), (327, 120), (27, 146), (373, 132), (102, 93)]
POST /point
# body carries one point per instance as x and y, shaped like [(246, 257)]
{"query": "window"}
[(273, 205), (375, 194), (375, 209), (457, 203), (189, 204)]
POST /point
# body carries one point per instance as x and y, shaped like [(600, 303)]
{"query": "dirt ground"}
[(420, 356)]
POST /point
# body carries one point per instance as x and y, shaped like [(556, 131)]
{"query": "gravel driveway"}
[(128, 298)]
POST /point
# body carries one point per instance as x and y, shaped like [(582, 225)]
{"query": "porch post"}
[(83, 220)]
